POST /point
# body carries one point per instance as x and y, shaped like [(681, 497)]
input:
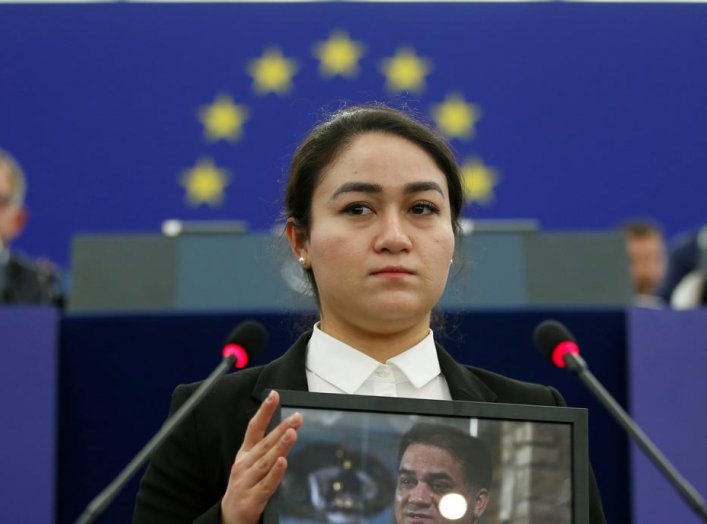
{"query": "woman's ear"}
[(299, 243)]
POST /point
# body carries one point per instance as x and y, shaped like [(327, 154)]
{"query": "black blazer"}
[(187, 477), (28, 283)]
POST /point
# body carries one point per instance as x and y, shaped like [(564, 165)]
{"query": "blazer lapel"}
[(285, 372), (463, 383)]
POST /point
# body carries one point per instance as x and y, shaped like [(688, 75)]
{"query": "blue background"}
[(591, 113)]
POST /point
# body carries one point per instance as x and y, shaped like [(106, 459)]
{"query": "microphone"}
[(555, 342), (248, 338)]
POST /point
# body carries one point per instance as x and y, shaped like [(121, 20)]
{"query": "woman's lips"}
[(393, 272)]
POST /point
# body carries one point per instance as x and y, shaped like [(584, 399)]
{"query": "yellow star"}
[(405, 71), (223, 119), (339, 55), (455, 117), (272, 72), (205, 183), (479, 181)]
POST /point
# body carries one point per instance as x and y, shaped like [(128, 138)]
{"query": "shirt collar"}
[(419, 363), (347, 368)]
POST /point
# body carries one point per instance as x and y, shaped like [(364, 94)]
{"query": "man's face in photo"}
[(425, 475)]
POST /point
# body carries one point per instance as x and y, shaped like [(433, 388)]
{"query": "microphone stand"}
[(105, 497), (578, 366)]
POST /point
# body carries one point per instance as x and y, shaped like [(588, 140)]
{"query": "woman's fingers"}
[(259, 465), (243, 505), (271, 481), (259, 423), (276, 444), (266, 473)]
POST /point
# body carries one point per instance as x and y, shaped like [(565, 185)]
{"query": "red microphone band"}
[(238, 352), (561, 349)]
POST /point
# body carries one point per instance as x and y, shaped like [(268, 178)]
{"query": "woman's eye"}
[(358, 209), (424, 208)]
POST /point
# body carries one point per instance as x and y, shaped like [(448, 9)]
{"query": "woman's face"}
[(381, 237)]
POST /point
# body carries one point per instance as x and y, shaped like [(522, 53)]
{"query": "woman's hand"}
[(259, 465)]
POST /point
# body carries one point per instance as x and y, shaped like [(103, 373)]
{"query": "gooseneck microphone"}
[(247, 339), (556, 343)]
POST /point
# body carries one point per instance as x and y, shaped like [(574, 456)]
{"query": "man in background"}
[(685, 285), (438, 462), (22, 281), (645, 245)]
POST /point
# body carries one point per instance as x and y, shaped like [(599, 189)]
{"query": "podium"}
[(667, 361), (29, 339), (192, 272), (509, 269)]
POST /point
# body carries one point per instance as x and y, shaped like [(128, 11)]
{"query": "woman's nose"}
[(392, 235)]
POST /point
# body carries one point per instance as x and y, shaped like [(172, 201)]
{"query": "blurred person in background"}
[(645, 245), (22, 280), (685, 285)]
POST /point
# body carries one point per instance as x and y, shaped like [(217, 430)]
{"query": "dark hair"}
[(471, 453), (329, 139), (641, 228)]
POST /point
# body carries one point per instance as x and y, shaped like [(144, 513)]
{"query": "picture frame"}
[(347, 465)]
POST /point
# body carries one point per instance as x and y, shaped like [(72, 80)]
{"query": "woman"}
[(372, 205)]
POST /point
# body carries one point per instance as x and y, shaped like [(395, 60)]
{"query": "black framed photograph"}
[(380, 460)]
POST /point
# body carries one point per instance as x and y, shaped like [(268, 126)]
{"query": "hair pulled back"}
[(329, 139)]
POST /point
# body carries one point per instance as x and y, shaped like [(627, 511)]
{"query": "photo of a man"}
[(369, 467), (444, 476)]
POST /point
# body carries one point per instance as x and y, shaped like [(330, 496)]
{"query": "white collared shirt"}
[(336, 367)]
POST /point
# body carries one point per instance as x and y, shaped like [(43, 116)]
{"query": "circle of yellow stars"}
[(405, 71), (272, 72), (339, 56), (455, 117), (205, 183), (223, 119), (478, 181)]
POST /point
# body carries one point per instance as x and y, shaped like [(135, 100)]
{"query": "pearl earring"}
[(301, 261)]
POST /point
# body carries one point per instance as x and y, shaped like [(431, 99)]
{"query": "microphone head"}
[(554, 341), (245, 341)]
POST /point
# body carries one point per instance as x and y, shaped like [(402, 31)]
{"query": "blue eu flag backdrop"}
[(124, 115)]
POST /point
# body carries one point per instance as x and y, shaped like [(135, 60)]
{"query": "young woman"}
[(372, 203)]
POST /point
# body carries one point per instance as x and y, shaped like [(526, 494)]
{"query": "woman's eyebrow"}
[(419, 187), (357, 187), (366, 187)]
